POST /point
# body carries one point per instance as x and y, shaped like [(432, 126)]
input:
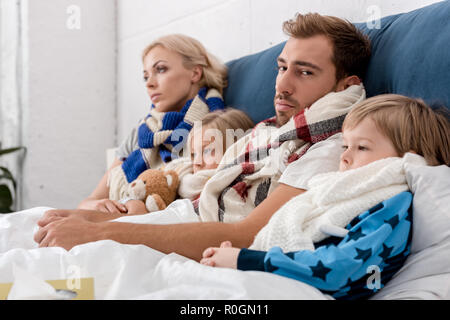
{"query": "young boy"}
[(306, 240)]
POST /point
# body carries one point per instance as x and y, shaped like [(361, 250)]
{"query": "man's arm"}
[(187, 239), (190, 239)]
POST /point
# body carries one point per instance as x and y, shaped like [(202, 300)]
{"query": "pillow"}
[(426, 273), (251, 83), (410, 56)]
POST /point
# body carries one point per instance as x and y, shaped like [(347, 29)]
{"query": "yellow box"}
[(85, 292)]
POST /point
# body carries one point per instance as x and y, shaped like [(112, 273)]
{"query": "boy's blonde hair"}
[(409, 123), (194, 54)]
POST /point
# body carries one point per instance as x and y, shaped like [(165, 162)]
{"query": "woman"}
[(184, 83)]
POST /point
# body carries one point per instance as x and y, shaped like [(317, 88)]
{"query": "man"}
[(323, 55)]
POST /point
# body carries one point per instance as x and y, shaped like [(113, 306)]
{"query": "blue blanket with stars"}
[(354, 267)]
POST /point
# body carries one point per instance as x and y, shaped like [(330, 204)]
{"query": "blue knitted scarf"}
[(157, 134)]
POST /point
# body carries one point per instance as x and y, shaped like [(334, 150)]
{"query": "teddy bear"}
[(156, 188)]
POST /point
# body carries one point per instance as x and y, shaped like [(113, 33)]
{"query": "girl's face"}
[(169, 83), (206, 149), (364, 144)]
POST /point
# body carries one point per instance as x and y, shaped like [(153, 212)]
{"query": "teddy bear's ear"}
[(172, 179), (169, 180)]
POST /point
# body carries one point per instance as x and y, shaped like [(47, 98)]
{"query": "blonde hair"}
[(225, 119), (409, 123), (194, 54)]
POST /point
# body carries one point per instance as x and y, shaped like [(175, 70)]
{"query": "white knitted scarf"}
[(192, 184), (332, 201)]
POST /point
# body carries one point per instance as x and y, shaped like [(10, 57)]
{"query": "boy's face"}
[(364, 144)]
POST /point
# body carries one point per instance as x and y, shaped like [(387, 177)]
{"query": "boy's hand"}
[(223, 257)]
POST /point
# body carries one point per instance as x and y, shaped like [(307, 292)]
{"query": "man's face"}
[(305, 74)]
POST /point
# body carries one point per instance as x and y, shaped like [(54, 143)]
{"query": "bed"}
[(410, 57)]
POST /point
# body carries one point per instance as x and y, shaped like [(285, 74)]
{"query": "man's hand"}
[(223, 257), (67, 232), (88, 215)]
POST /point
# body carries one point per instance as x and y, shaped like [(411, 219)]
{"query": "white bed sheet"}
[(136, 271)]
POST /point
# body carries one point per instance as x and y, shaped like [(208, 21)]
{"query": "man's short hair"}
[(351, 47)]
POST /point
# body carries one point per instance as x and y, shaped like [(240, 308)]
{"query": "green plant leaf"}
[(9, 150), (6, 199), (5, 210), (8, 175)]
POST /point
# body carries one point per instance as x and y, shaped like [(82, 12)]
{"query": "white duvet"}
[(136, 271)]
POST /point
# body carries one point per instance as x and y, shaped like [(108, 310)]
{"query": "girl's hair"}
[(409, 123), (222, 120), (194, 54)]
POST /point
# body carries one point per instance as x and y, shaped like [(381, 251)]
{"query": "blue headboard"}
[(410, 56)]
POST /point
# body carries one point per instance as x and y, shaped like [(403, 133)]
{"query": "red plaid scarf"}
[(243, 182)]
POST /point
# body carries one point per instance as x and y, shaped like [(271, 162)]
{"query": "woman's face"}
[(169, 83)]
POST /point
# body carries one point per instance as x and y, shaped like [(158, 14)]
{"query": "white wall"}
[(228, 28), (69, 101), (10, 115)]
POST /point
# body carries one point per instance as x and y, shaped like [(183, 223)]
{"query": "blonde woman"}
[(184, 83)]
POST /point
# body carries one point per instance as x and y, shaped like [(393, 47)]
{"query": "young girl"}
[(184, 83), (207, 142), (359, 218)]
